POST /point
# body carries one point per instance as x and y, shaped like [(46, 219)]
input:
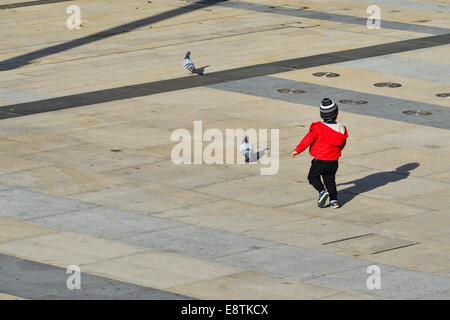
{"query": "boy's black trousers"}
[(326, 170)]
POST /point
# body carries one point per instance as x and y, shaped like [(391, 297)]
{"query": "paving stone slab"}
[(95, 157), (63, 249), (433, 225), (114, 290), (11, 230), (371, 243), (435, 200), (144, 198), (309, 233), (33, 280), (396, 283), (12, 163), (37, 141), (428, 256), (62, 181), (224, 214), (254, 286), (106, 223), (124, 136), (405, 67), (197, 241), (368, 211), (189, 176), (24, 205), (261, 190), (290, 262), (159, 270)]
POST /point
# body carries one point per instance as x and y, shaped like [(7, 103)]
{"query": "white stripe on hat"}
[(327, 107)]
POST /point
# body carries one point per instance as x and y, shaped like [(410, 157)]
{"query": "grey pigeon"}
[(188, 64), (246, 149)]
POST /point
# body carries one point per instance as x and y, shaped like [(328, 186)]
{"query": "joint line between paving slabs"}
[(345, 239), (390, 249)]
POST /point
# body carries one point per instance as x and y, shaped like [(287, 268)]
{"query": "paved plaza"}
[(86, 172)]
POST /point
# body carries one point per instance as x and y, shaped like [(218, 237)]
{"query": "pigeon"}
[(246, 149), (188, 64)]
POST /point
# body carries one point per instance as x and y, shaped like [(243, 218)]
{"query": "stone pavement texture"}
[(86, 176)]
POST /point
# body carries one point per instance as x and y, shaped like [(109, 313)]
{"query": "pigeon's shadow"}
[(200, 71), (255, 156), (374, 181)]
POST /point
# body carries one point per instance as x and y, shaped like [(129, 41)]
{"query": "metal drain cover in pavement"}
[(444, 95), (417, 112), (291, 91), (326, 74), (388, 84), (353, 101)]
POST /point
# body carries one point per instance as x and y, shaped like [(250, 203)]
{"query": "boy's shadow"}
[(374, 181)]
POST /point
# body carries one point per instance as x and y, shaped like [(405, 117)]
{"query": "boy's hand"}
[(294, 153)]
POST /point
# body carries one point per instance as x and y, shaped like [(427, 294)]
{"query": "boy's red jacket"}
[(325, 143)]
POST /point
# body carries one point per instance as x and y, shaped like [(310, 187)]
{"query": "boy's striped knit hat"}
[(328, 109)]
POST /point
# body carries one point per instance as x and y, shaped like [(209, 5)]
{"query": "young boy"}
[(326, 140)]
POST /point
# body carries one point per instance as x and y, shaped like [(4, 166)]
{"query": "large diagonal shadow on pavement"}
[(374, 181), (228, 75), (29, 4), (27, 58)]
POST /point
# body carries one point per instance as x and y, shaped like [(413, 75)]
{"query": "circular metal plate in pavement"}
[(388, 84), (356, 101), (326, 74), (417, 112), (291, 91)]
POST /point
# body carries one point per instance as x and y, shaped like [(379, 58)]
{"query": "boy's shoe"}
[(323, 196), (334, 204)]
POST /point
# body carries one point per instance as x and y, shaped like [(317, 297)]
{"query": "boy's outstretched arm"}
[(310, 137), (345, 141)]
